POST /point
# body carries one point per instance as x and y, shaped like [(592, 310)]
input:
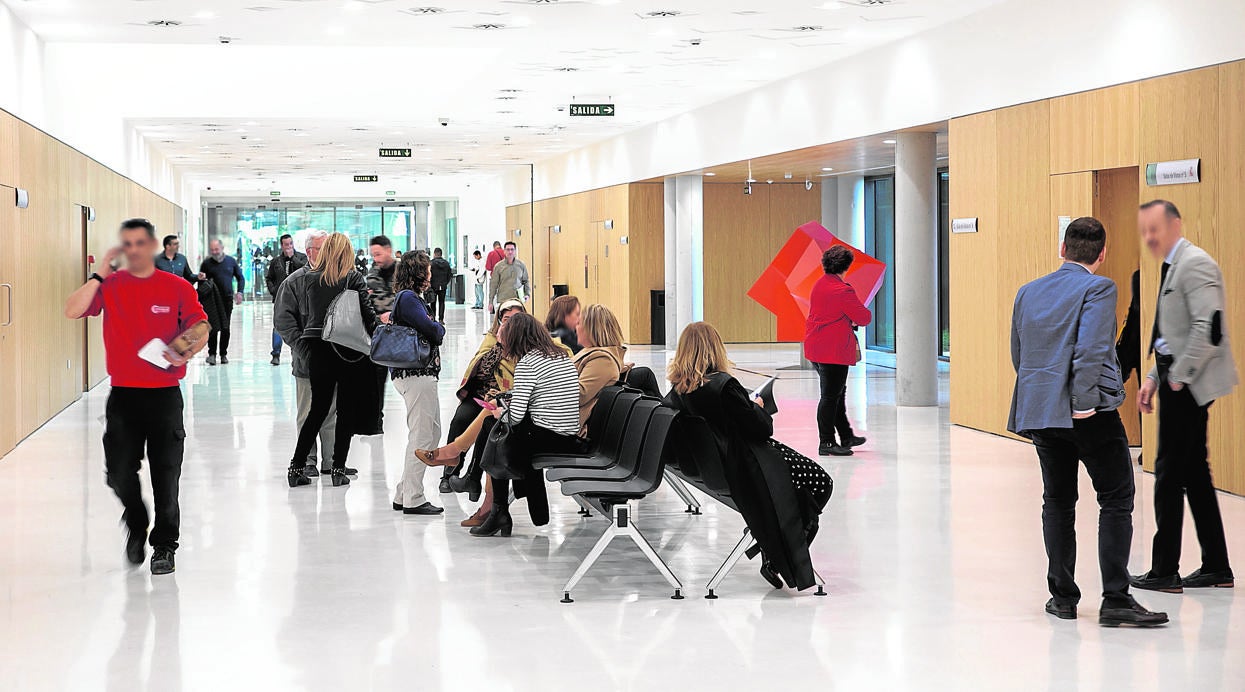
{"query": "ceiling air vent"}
[(427, 10), (807, 28), (164, 23), (662, 14), (567, 69), (488, 27)]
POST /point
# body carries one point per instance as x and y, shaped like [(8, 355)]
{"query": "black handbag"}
[(398, 346), (504, 451)]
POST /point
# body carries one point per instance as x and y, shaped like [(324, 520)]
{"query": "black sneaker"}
[(162, 561), (1149, 582), (276, 360), (1132, 614), (1204, 580), (311, 471), (224, 360), (1063, 611), (135, 546), (211, 360)]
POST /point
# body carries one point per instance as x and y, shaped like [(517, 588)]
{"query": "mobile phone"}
[(486, 405)]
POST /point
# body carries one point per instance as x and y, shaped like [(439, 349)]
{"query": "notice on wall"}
[(1064, 222), (1173, 172), (964, 225)]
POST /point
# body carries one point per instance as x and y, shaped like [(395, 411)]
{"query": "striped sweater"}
[(547, 389)]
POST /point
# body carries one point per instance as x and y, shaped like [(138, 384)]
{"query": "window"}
[(880, 242)]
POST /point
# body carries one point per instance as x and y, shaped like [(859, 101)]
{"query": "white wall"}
[(1013, 53), (21, 70)]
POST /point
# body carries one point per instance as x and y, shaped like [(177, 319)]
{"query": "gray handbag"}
[(343, 323)]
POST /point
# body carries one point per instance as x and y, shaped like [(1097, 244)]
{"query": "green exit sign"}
[(592, 109), (391, 193), (367, 178), (395, 153), (275, 193)]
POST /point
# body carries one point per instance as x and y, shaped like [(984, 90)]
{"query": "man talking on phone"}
[(144, 411)]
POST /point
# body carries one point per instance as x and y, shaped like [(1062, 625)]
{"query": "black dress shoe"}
[(1063, 611), (296, 477), (1133, 614), (768, 573), (1149, 582), (224, 360), (835, 451), (444, 486), (136, 546), (162, 561), (498, 522), (1204, 580), (855, 441), (398, 507), (426, 508), (311, 471), (340, 477), (471, 486), (276, 360)]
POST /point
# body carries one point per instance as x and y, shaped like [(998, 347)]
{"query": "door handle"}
[(10, 304)]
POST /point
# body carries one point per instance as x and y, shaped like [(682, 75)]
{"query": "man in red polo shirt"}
[(497, 255), (144, 410)]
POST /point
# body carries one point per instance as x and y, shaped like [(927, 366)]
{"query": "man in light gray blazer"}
[(1193, 367), (1068, 387)]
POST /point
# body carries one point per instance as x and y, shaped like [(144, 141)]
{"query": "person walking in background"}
[(442, 274), (830, 344), (289, 318), (1068, 387), (497, 254), (509, 279), (479, 276), (562, 321), (380, 293), (143, 415), (332, 369), (1193, 368), (223, 270), (287, 261), (173, 261), (417, 387)]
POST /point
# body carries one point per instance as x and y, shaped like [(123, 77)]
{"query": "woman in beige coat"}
[(600, 363)]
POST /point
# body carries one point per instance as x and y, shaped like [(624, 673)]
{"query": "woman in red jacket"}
[(830, 343)]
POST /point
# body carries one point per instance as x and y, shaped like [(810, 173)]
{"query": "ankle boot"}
[(498, 522), (475, 519), (340, 477), (297, 476), (466, 484)]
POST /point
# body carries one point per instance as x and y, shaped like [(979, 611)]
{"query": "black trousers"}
[(218, 339), (466, 412), (1181, 469), (532, 485), (435, 297), (832, 407), (330, 374), (150, 419), (1102, 444)]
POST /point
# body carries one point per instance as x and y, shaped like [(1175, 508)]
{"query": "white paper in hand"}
[(153, 353)]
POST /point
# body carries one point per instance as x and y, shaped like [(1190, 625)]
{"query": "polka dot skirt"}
[(806, 474)]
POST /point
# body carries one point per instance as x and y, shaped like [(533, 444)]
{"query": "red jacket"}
[(493, 258), (834, 313)]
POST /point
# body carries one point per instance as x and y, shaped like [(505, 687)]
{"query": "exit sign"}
[(592, 109), (367, 178), (275, 193), (395, 153)]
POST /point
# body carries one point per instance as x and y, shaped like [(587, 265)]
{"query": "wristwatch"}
[(97, 277)]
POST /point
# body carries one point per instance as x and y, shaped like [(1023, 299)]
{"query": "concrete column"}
[(830, 204), (916, 270), (684, 254), (851, 210)]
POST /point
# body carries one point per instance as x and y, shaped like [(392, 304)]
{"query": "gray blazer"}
[(1063, 349), (1192, 322)]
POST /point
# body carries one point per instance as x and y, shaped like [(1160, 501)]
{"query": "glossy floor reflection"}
[(931, 547)]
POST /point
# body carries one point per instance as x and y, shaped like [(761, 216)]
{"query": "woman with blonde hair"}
[(334, 371), (779, 491), (600, 363)]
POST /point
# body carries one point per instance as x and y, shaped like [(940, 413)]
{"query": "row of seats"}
[(633, 436)]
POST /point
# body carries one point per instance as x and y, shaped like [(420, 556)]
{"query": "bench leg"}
[(584, 510), (680, 488), (736, 555), (821, 585), (621, 525)]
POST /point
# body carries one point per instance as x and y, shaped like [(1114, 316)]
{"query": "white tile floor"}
[(931, 546)]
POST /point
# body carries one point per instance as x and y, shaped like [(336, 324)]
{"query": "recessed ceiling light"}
[(710, 174), (888, 141), (827, 169)]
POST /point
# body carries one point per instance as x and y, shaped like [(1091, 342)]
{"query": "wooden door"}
[(1115, 205), (8, 332)]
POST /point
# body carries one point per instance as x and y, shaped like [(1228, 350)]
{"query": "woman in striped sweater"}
[(543, 409)]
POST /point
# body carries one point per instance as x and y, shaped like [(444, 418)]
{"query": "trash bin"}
[(561, 290), (460, 289), (657, 317)]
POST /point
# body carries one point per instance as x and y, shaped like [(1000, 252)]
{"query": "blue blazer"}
[(1063, 349)]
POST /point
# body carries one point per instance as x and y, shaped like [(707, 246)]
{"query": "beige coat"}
[(598, 369)]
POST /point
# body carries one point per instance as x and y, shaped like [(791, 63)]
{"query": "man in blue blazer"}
[(1068, 387)]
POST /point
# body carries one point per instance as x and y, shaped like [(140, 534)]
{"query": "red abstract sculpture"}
[(786, 285)]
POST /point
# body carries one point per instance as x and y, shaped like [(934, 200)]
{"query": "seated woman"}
[(488, 374), (779, 491), (543, 410), (563, 322), (600, 363)]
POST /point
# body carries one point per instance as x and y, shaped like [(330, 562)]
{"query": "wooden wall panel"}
[(973, 166), (1116, 136), (1227, 414), (646, 232), (1071, 194), (738, 246), (1115, 205), (1072, 133)]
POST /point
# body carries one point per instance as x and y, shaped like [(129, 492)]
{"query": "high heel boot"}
[(297, 476), (340, 477), (498, 522)]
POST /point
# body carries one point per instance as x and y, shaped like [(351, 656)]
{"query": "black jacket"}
[(1128, 348), (301, 304), (568, 337), (213, 303), (442, 273), (760, 480), (280, 267)]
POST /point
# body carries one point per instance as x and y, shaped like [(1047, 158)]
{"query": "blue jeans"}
[(480, 295), (276, 343)]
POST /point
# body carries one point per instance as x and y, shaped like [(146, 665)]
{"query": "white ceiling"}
[(515, 63)]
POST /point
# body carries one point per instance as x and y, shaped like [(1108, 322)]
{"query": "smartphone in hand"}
[(486, 405)]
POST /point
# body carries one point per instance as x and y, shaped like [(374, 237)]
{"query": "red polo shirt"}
[(161, 306), (493, 258)]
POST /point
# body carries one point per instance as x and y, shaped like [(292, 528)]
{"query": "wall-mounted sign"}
[(395, 153), (964, 225), (592, 109), (367, 178), (1173, 172), (23, 199), (1064, 222), (391, 193)]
